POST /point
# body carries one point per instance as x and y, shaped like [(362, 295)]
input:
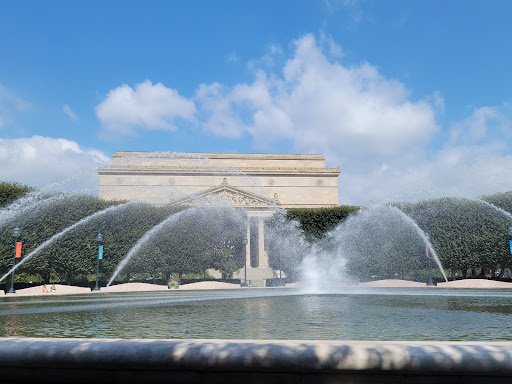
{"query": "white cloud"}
[(217, 105), (351, 7), (41, 161), (9, 98), (232, 57), (475, 161), (366, 123), (10, 105), (455, 172), (145, 107), (333, 48), (484, 124), (268, 60), (69, 112), (322, 106), (385, 141)]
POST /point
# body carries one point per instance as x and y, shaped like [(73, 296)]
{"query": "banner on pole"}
[(100, 252), (510, 246), (18, 249)]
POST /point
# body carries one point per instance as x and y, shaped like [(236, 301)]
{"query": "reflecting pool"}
[(350, 314)]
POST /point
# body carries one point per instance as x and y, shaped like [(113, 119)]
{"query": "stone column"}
[(262, 255), (248, 245)]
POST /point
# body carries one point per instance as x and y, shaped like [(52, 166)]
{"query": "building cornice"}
[(199, 155), (182, 171)]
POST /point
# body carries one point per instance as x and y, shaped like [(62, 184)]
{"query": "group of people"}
[(51, 290)]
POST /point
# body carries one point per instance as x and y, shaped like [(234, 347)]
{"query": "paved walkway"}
[(60, 289)]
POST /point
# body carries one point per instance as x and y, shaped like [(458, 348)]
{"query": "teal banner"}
[(100, 252)]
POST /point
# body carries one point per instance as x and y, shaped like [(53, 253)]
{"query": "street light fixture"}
[(16, 233), (510, 238), (99, 240), (429, 282), (244, 284)]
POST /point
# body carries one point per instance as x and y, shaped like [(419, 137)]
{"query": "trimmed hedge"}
[(316, 222)]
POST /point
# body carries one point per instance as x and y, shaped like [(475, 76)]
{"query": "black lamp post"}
[(429, 282), (99, 240), (16, 233), (244, 284)]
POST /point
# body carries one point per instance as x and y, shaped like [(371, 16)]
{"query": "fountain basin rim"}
[(173, 358)]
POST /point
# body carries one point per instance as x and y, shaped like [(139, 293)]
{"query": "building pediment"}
[(226, 193)]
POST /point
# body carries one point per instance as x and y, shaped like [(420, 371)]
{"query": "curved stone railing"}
[(248, 361)]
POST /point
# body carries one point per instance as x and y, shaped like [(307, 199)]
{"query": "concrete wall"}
[(26, 360)]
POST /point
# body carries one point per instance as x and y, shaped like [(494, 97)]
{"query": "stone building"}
[(257, 183)]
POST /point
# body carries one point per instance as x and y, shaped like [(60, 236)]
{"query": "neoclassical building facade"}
[(257, 183)]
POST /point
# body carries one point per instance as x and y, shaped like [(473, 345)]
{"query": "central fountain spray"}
[(363, 238)]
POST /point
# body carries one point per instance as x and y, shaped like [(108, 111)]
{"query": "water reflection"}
[(13, 322), (393, 314)]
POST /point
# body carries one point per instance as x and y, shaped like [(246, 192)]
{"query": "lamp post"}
[(429, 281), (99, 240), (16, 233), (510, 238), (244, 284)]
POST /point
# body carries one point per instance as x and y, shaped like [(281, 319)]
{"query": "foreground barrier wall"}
[(26, 360)]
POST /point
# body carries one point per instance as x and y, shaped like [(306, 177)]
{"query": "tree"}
[(465, 233), (72, 256), (199, 238), (11, 191), (316, 222)]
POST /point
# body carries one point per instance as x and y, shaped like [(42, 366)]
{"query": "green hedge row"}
[(316, 222)]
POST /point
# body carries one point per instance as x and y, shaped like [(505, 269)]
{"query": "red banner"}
[(18, 249)]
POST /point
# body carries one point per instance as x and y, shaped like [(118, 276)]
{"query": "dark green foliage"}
[(72, 257), (315, 222), (466, 234), (12, 191), (195, 240), (381, 245), (190, 241), (501, 200)]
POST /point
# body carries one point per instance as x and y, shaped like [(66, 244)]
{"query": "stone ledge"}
[(207, 156), (252, 361), (244, 171)]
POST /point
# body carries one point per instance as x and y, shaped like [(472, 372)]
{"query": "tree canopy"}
[(10, 191), (374, 243)]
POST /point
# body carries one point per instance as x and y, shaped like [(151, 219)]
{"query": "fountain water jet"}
[(325, 265), (502, 211), (63, 232), (31, 201), (420, 232), (143, 240), (219, 215)]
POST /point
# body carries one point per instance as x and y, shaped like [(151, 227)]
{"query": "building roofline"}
[(199, 155)]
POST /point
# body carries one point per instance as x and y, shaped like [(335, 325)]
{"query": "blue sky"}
[(412, 99)]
